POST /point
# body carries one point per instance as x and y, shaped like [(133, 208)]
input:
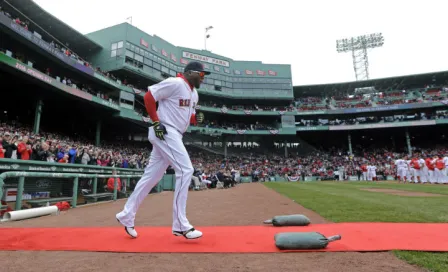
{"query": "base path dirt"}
[(247, 204), (401, 192)]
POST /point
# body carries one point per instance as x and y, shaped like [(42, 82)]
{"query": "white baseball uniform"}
[(439, 172), (371, 172), (401, 169), (423, 171), (177, 101), (410, 171)]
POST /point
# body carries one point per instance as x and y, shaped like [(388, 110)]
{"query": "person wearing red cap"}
[(177, 98)]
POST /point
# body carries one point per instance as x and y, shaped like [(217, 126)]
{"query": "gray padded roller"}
[(303, 240), (289, 220)]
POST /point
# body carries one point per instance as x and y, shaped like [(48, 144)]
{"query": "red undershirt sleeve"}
[(150, 104), (193, 119)]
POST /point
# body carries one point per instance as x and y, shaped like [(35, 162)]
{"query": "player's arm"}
[(150, 105)]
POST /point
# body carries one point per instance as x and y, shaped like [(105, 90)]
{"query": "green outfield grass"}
[(345, 202)]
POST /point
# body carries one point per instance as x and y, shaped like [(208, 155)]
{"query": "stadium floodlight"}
[(206, 36), (358, 46)]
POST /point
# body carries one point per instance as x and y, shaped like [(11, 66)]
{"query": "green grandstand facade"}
[(126, 46)]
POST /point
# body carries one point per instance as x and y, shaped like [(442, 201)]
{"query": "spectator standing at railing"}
[(43, 152), (2, 150), (93, 158), (60, 153), (85, 158), (9, 145), (24, 149), (72, 154)]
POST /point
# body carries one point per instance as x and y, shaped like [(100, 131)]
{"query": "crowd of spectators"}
[(246, 107), (443, 114), (58, 75), (425, 94), (322, 165), (18, 142), (235, 126), (250, 161), (69, 53)]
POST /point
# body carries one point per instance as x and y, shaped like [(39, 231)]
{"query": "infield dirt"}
[(247, 204)]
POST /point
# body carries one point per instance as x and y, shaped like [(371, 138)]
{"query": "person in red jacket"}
[(111, 182), (24, 149)]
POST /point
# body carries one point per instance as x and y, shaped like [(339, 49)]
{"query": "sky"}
[(300, 33)]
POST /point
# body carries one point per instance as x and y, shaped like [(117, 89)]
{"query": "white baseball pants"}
[(423, 174), (172, 152), (431, 176), (401, 172), (439, 176), (409, 174), (371, 175)]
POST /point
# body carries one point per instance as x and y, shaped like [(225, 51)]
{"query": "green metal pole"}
[(115, 188), (75, 192), (95, 185), (350, 144), (98, 133), (37, 116), (1, 187), (408, 143), (19, 196)]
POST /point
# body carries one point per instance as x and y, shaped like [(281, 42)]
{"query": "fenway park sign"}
[(202, 58)]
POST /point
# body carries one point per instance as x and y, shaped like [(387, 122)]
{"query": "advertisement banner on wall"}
[(189, 55)]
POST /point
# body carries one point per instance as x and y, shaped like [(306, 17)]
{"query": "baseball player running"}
[(177, 98)]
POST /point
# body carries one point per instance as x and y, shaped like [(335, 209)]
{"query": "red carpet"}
[(236, 239)]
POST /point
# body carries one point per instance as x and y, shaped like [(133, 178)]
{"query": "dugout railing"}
[(73, 176)]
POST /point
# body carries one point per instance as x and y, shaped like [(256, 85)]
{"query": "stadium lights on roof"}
[(358, 46), (206, 36)]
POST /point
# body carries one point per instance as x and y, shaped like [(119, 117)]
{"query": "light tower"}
[(206, 36), (358, 46)]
